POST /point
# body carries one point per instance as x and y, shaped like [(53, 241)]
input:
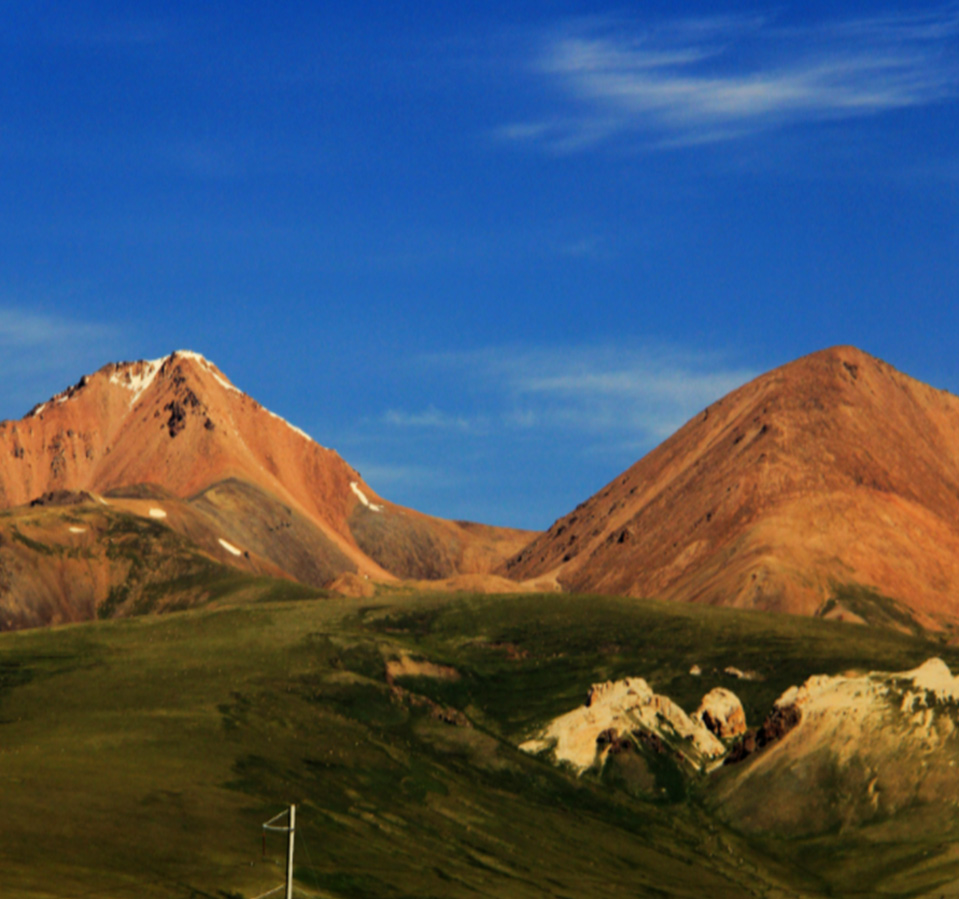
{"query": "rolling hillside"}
[(140, 757)]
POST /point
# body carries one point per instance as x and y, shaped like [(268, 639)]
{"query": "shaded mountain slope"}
[(250, 518), (415, 546), (68, 560), (833, 470)]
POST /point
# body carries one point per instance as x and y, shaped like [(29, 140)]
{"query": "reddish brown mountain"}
[(830, 472), (249, 477)]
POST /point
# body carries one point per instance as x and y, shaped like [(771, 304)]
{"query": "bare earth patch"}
[(407, 666)]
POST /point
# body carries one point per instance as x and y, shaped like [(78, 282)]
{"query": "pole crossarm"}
[(270, 892), (290, 831), (279, 828), (296, 892)]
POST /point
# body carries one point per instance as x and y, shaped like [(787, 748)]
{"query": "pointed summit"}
[(179, 423), (835, 471)]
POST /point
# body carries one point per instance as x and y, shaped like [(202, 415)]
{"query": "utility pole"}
[(289, 830), (289, 854)]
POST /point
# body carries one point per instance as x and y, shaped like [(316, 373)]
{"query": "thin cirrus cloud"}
[(28, 331), (418, 476), (636, 395), (692, 81), (642, 394), (428, 418), (42, 352)]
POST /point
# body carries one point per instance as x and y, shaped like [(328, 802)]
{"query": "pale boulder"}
[(722, 713)]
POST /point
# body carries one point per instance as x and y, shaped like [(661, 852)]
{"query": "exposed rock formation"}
[(848, 749), (614, 709), (833, 752), (722, 713)]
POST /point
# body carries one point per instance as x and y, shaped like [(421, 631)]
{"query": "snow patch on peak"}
[(293, 428), (361, 496), (220, 378), (224, 382), (191, 354), (137, 376)]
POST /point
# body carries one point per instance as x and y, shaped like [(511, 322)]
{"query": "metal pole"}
[(289, 854)]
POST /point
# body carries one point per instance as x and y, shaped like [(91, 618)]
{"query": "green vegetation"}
[(873, 608), (164, 570), (30, 543), (139, 756)]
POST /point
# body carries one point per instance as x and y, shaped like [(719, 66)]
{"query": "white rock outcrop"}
[(837, 751), (624, 706), (722, 713)]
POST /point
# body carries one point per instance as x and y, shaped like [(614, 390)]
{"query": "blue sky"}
[(492, 253)]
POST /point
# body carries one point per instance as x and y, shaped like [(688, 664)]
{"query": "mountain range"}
[(827, 487), (436, 741)]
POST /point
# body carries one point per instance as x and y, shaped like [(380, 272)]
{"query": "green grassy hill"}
[(139, 757)]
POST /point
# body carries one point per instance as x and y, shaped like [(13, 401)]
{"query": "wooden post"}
[(289, 854)]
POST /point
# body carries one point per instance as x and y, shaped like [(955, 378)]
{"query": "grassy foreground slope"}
[(139, 757)]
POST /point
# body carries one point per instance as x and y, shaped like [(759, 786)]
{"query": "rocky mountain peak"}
[(829, 472)]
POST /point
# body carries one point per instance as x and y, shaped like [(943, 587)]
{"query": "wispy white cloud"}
[(385, 476), (547, 424), (638, 394), (27, 330), (697, 80), (41, 354), (430, 417)]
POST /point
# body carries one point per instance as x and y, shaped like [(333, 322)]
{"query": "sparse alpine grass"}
[(140, 756)]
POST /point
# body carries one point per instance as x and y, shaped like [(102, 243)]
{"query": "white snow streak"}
[(223, 382), (293, 428), (355, 487), (157, 513), (138, 383), (210, 367), (230, 548)]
